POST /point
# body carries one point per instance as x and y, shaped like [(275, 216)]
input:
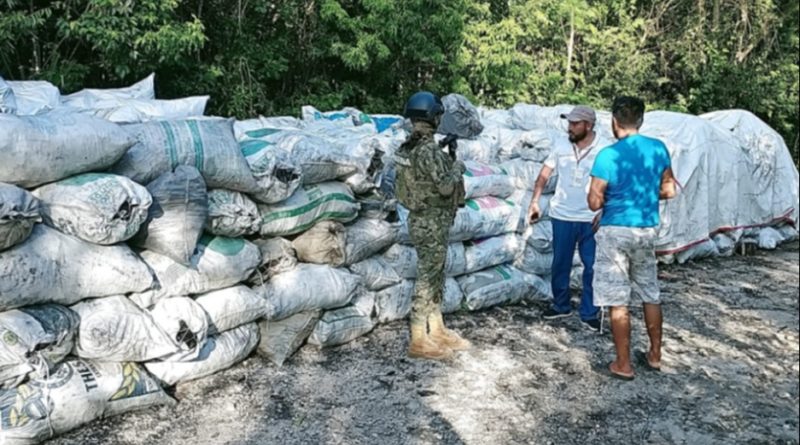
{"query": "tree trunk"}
[(743, 29), (37, 54), (701, 17), (570, 47), (715, 20)]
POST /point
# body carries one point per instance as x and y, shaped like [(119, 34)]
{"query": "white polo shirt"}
[(572, 187)]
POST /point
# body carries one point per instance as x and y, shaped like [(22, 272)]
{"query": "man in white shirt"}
[(570, 214)]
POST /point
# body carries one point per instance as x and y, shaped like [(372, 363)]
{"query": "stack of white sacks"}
[(143, 245)]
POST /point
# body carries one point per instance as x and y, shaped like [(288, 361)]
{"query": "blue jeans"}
[(565, 235)]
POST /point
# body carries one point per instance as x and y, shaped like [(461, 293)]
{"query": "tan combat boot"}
[(421, 345), (444, 336)]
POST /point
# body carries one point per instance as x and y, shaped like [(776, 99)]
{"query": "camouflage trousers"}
[(429, 231)]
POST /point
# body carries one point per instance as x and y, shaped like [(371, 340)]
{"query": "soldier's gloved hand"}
[(451, 142), (460, 195)]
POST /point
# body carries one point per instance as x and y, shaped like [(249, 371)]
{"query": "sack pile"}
[(143, 245)]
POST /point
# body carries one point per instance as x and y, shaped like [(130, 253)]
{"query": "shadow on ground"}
[(731, 376)]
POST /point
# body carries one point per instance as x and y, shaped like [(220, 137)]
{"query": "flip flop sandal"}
[(606, 371), (641, 357)]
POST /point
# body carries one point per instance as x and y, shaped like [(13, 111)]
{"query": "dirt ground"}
[(730, 376)]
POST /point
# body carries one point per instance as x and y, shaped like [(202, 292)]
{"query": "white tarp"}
[(767, 173), (703, 157), (495, 118), (536, 117), (734, 171)]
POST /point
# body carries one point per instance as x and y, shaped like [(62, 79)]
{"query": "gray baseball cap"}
[(580, 113)]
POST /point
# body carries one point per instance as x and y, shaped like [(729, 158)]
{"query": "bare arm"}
[(597, 194), (541, 181), (668, 182)]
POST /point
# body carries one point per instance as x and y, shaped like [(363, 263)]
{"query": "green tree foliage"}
[(271, 56), (105, 42)]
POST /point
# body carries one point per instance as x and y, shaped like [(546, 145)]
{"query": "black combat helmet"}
[(423, 105)]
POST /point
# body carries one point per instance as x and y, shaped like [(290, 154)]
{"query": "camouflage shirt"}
[(426, 176)]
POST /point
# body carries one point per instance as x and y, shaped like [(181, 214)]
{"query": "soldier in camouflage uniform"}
[(430, 184)]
